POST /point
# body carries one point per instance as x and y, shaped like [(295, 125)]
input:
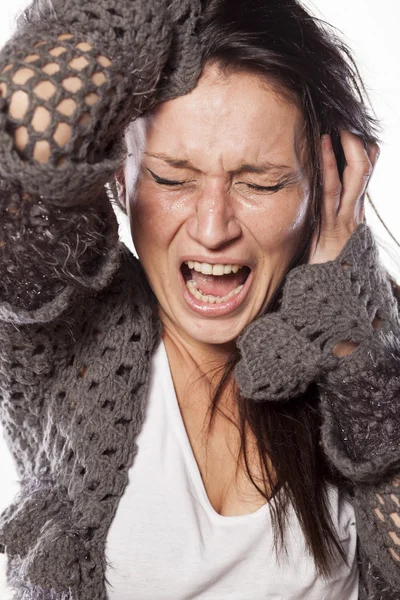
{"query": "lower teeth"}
[(191, 286)]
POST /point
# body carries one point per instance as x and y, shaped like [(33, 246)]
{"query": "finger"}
[(373, 151), (356, 176), (332, 186)]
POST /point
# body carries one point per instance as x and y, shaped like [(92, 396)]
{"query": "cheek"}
[(278, 224), (155, 218)]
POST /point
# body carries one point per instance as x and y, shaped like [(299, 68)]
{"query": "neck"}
[(196, 366)]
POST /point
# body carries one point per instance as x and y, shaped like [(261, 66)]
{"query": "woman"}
[(224, 409)]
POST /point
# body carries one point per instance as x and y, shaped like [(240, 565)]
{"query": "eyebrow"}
[(265, 167)]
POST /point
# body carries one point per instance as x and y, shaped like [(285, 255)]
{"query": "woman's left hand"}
[(343, 204)]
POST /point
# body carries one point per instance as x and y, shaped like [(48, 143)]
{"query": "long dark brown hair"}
[(310, 64), (283, 43)]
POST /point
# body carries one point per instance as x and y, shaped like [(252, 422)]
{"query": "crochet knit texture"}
[(79, 324)]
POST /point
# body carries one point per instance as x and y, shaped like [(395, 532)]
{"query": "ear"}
[(118, 189), (120, 185)]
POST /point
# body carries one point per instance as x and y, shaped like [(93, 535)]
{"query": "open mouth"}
[(214, 284)]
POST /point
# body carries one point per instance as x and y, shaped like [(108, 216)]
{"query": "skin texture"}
[(225, 122)]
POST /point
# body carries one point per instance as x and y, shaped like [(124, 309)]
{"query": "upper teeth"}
[(208, 269)]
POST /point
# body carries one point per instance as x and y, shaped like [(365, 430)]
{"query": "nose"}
[(214, 223)]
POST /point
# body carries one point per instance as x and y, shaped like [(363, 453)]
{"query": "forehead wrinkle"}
[(178, 163), (259, 169), (214, 145)]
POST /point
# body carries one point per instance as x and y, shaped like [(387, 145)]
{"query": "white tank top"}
[(167, 542)]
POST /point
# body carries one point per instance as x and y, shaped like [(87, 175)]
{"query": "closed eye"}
[(261, 188), (162, 181)]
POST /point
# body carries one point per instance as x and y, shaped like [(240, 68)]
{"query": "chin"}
[(214, 331)]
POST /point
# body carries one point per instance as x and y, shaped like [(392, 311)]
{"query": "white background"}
[(372, 31)]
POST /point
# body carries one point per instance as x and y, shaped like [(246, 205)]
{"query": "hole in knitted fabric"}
[(93, 384), (314, 336), (61, 395), (72, 84), (91, 99), (91, 14), (395, 537), (121, 468), (44, 90), (109, 404), (183, 18), (65, 36), (377, 322), (119, 32), (121, 320), (21, 138), (61, 160), (82, 471), (135, 337), (15, 365), (70, 455), (98, 78), (66, 107), (38, 350), (41, 152), (84, 120), (264, 388), (62, 134), (41, 119), (78, 63), (122, 421), (31, 58), (109, 452), (344, 348), (124, 371), (21, 76), (51, 68), (57, 51), (113, 12), (106, 497), (7, 68), (104, 61), (89, 533), (93, 485), (3, 89), (19, 104), (84, 46), (394, 554)]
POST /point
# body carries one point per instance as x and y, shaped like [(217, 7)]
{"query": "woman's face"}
[(222, 185)]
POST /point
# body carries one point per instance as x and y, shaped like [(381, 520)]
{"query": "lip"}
[(216, 310), (212, 261)]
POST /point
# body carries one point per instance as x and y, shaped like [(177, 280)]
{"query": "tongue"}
[(217, 285)]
